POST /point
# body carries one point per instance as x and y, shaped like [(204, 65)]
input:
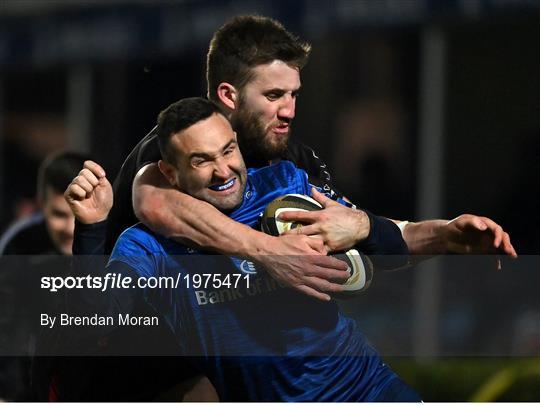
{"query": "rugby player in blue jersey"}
[(253, 74), (261, 342)]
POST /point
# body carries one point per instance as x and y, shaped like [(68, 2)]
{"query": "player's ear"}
[(227, 95), (168, 171)]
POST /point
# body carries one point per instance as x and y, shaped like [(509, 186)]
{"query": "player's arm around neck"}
[(298, 261), (179, 216)]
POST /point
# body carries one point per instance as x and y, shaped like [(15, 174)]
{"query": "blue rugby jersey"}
[(265, 342)]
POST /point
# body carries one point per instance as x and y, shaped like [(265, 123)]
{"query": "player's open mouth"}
[(223, 187), (281, 129)]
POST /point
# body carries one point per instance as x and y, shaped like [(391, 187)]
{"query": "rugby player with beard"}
[(253, 74)]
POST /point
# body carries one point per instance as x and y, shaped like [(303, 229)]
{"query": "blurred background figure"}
[(33, 243), (50, 230)]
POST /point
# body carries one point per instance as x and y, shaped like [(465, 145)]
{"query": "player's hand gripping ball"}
[(360, 267)]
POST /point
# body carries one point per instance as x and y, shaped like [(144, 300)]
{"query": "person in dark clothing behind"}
[(48, 233)]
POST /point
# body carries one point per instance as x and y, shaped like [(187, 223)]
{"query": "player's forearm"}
[(179, 216), (88, 262), (89, 239), (426, 237), (208, 228)]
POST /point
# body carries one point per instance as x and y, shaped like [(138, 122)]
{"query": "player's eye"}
[(273, 96), (199, 162), (59, 214)]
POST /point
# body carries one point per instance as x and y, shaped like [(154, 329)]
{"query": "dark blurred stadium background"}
[(421, 108)]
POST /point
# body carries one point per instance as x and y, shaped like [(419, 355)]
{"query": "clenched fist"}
[(90, 194)]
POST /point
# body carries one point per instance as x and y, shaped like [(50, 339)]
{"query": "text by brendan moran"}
[(97, 320)]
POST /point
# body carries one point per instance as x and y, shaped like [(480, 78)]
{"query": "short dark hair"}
[(57, 171), (179, 116), (248, 41)]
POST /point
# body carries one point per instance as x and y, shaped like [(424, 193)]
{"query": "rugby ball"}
[(360, 268)]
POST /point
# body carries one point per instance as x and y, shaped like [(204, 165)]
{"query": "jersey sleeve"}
[(131, 259), (121, 215)]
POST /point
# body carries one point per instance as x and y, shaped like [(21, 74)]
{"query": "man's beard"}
[(254, 139)]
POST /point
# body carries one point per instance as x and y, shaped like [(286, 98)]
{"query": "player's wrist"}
[(363, 228), (81, 225), (255, 243), (430, 237), (91, 220), (441, 237)]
